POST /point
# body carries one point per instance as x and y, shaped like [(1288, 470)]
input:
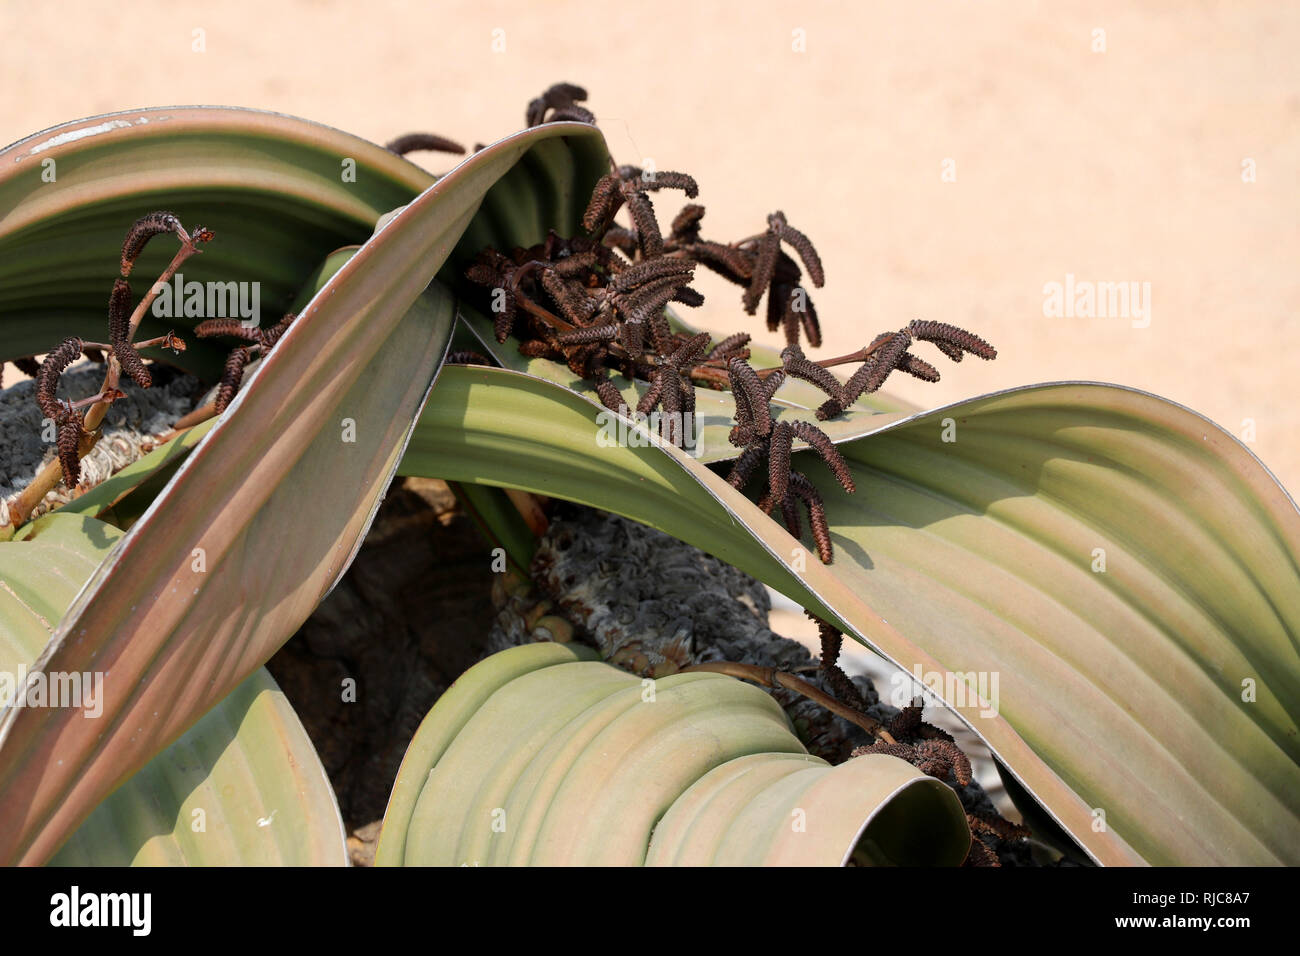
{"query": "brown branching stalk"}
[(260, 342), (934, 752), (467, 357), (772, 677), (989, 835), (889, 352), (596, 302), (142, 230), (119, 334), (760, 438), (675, 395), (628, 185), (78, 430)]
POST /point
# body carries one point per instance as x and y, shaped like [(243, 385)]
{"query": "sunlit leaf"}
[(272, 504), (539, 755), (1119, 690), (244, 785)]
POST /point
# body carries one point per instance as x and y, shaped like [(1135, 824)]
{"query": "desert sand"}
[(950, 159)]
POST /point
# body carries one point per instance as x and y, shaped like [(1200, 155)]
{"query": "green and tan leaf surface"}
[(273, 501), (242, 786), (279, 192), (1118, 691), (1149, 707), (544, 755)]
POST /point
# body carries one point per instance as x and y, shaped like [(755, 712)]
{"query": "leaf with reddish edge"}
[(272, 505), (247, 769)]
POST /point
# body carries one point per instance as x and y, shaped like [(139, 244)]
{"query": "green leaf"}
[(242, 787), (273, 503), (584, 767), (455, 708), (39, 578), (1120, 691), (500, 521), (247, 766), (279, 193), (875, 810)]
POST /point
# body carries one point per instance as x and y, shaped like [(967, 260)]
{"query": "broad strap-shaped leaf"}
[(1134, 570), (798, 810), (500, 521), (279, 192), (584, 762), (272, 505), (40, 577), (1120, 691), (243, 786), (256, 526), (455, 708)]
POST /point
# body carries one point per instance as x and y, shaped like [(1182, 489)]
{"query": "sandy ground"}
[(1122, 165)]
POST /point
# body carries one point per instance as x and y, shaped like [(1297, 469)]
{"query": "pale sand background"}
[(1115, 166)]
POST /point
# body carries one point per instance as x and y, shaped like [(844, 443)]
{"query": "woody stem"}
[(188, 248), (169, 341), (771, 677), (108, 395), (531, 307), (49, 476), (861, 355)]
